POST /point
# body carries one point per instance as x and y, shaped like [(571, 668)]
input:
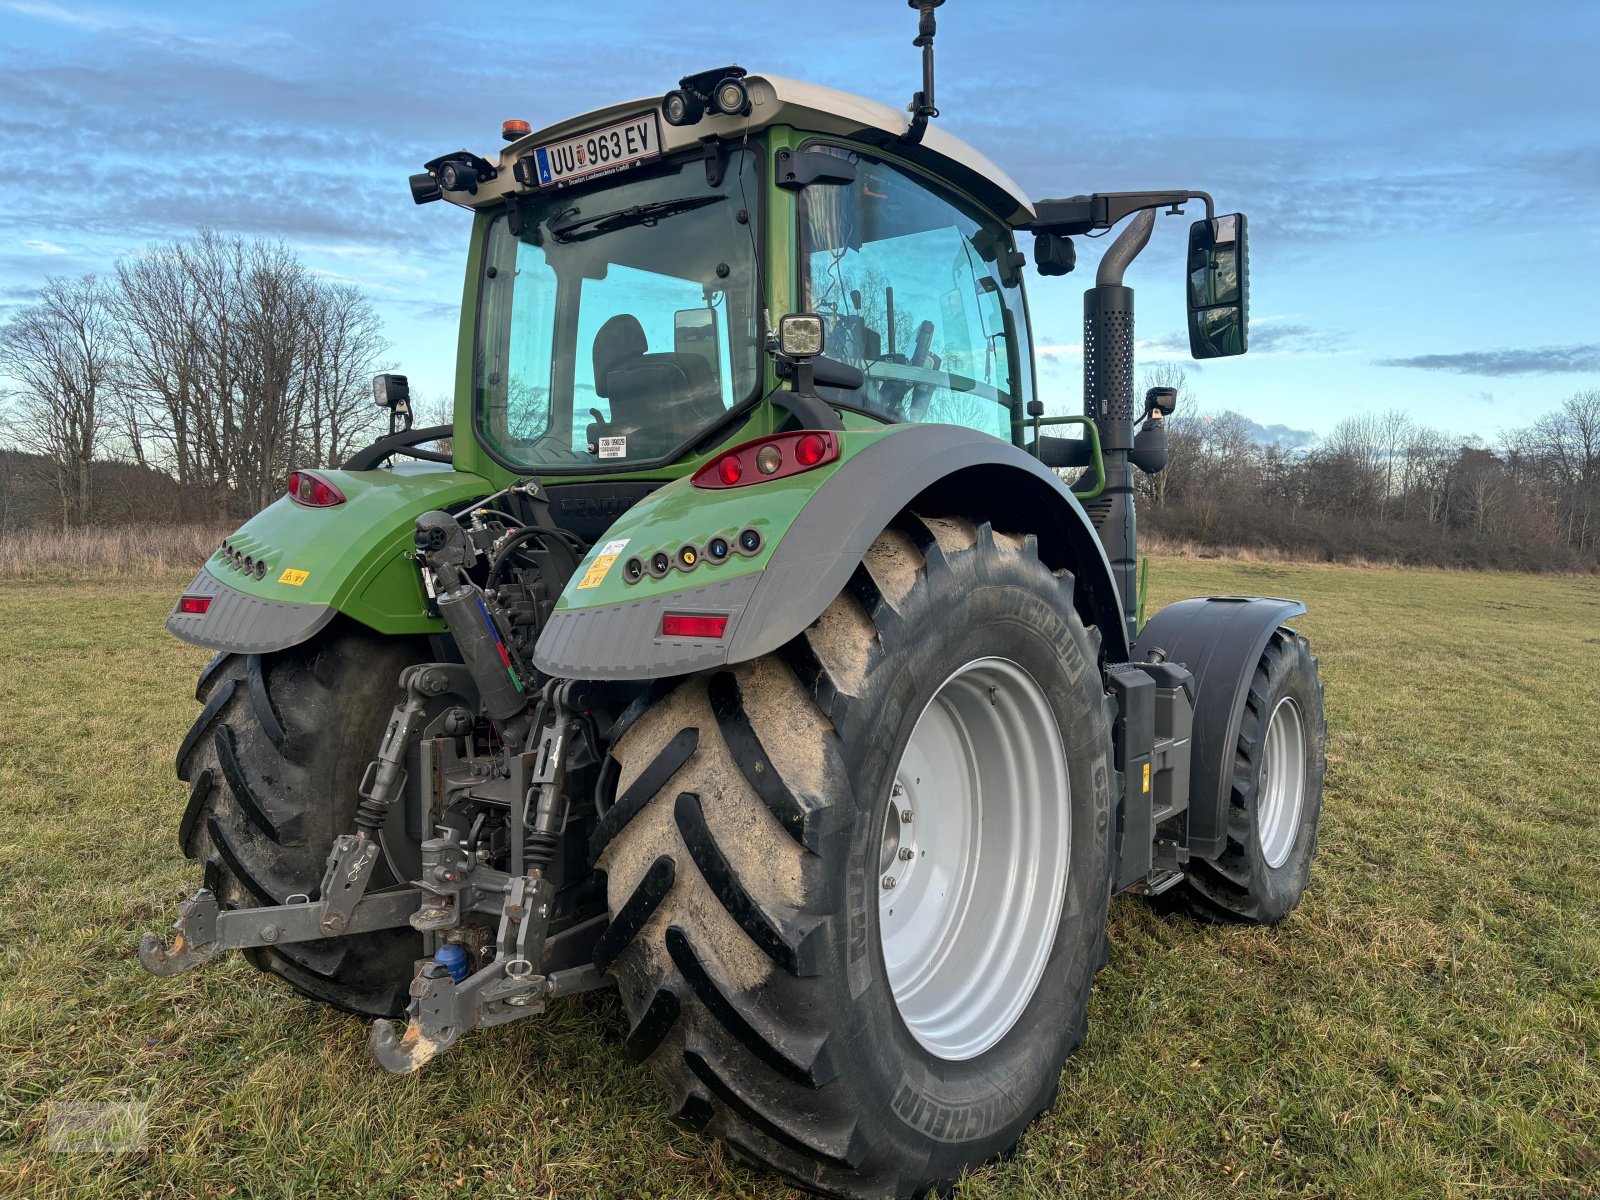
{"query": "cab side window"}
[(921, 294)]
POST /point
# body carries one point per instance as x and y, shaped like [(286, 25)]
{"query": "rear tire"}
[(1275, 801), (744, 851), (273, 763)]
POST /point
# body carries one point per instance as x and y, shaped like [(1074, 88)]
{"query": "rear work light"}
[(775, 457), (684, 625), (194, 606), (312, 490)]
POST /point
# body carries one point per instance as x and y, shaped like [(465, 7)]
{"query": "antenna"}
[(922, 106)]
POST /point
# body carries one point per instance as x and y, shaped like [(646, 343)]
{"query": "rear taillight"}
[(686, 625), (775, 457), (194, 606), (312, 490)]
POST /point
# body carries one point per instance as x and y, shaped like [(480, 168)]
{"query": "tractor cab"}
[(627, 270)]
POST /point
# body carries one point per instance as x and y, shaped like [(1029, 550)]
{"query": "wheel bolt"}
[(899, 789), (906, 854), (906, 815), (888, 882)]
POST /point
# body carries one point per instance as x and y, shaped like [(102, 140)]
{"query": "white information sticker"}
[(613, 447)]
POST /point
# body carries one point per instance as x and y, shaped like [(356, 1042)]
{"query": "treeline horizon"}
[(186, 386), (1383, 487), (215, 361)]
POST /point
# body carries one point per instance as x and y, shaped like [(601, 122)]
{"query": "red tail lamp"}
[(775, 457), (194, 606), (312, 490), (695, 626)]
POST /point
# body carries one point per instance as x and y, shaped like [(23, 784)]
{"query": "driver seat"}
[(658, 401)]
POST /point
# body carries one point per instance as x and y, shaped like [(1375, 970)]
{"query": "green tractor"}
[(747, 651)]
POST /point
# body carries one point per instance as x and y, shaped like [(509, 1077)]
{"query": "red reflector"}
[(194, 605), (681, 625), (729, 470)]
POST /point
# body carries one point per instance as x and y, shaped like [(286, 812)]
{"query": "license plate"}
[(600, 151)]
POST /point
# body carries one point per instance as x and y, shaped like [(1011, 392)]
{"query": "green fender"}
[(815, 528), (349, 558)]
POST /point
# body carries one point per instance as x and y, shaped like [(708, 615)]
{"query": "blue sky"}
[(1421, 177)]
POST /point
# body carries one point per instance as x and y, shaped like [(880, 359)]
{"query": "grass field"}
[(1427, 1024)]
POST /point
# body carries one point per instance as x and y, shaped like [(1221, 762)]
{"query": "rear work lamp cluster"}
[(240, 561), (775, 457), (311, 490), (719, 549)]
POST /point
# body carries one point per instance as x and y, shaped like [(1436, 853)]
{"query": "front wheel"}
[(1275, 798), (858, 888)]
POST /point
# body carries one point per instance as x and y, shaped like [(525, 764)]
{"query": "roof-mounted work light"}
[(681, 108), (719, 91)]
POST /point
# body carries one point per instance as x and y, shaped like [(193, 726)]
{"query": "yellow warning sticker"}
[(1147, 778), (601, 566), (292, 577)]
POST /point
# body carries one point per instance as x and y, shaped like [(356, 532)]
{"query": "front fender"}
[(816, 528), (348, 559), (1220, 640)]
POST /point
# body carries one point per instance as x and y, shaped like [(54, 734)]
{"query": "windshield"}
[(620, 322)]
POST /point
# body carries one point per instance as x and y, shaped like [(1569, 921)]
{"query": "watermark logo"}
[(97, 1126)]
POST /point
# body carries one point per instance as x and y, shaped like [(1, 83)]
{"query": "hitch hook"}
[(195, 941), (401, 1054)]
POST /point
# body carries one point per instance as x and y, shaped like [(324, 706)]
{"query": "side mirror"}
[(1219, 287), (391, 391)]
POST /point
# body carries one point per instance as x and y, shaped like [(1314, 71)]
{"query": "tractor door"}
[(922, 291)]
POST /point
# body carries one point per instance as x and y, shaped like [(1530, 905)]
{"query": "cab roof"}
[(775, 100)]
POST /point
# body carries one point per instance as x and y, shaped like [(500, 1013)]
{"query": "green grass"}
[(1427, 1024)]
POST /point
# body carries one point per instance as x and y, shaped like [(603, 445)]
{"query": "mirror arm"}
[(1082, 214)]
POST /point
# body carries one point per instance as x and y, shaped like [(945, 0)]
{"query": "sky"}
[(1421, 177)]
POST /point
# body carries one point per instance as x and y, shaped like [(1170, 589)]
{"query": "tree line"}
[(1385, 487), (212, 364)]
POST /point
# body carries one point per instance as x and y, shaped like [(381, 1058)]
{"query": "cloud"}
[(1577, 359), (1279, 435), (44, 247)]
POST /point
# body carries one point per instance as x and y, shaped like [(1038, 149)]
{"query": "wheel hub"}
[(1281, 785), (973, 858)]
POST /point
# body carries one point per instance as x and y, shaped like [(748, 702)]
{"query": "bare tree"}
[(61, 353)]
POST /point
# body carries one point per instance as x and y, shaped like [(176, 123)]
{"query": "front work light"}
[(390, 390), (800, 335)]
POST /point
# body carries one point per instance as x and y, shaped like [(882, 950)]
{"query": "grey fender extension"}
[(243, 624)]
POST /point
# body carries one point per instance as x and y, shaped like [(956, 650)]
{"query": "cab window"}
[(921, 293)]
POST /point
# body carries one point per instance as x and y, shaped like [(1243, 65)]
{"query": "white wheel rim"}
[(1281, 790), (973, 865)]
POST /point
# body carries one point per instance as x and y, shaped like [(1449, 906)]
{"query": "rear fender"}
[(349, 558), (1220, 640), (816, 528)]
